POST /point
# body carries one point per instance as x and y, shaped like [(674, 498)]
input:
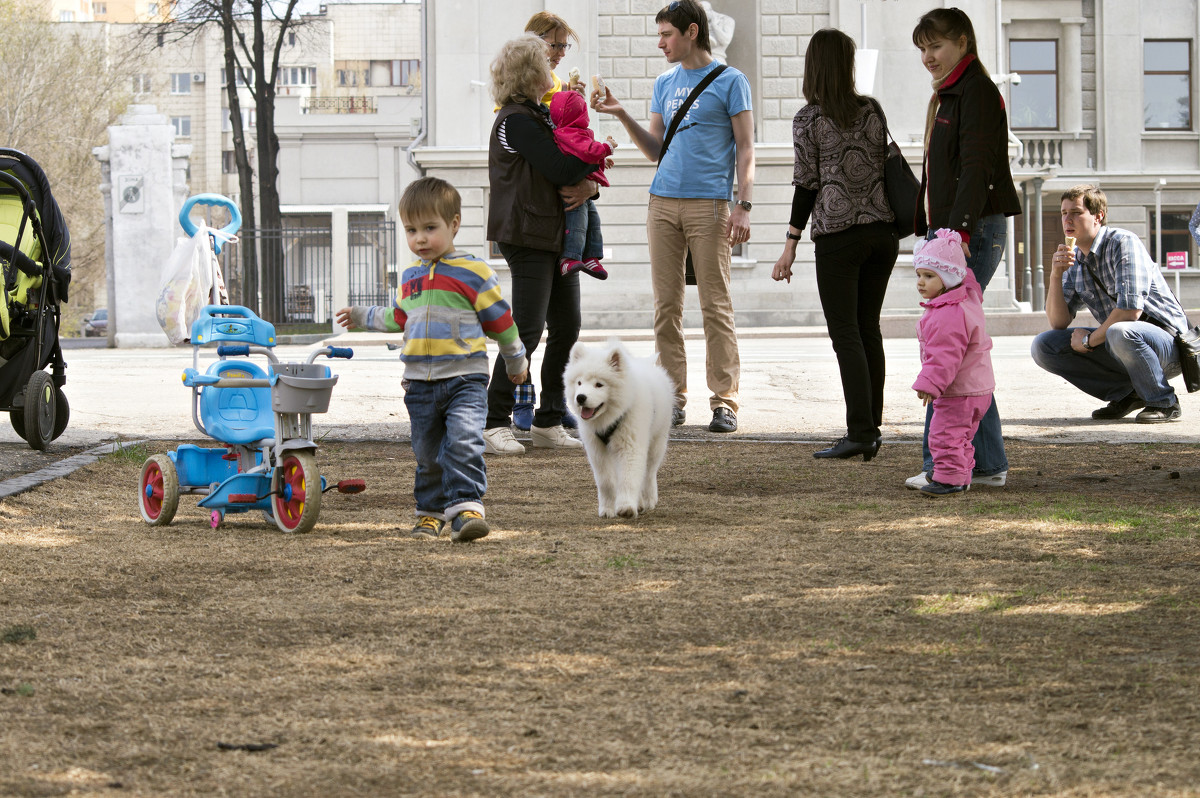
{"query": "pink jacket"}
[(568, 112), (954, 344)]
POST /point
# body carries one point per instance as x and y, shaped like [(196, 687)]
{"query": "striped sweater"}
[(447, 309)]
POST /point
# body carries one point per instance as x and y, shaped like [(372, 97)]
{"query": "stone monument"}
[(720, 30), (143, 181)]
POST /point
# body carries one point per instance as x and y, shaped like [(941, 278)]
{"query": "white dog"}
[(624, 408)]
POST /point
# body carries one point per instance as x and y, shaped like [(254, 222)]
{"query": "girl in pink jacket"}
[(583, 244), (956, 369)]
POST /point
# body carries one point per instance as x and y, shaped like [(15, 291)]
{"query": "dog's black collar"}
[(606, 435)]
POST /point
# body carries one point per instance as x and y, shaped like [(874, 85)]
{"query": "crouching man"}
[(1127, 360)]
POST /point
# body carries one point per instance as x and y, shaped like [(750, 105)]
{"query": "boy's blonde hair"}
[(427, 197), (520, 71)]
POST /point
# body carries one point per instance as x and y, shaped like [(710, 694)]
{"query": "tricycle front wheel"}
[(297, 500)]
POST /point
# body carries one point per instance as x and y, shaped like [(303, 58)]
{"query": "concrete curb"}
[(11, 487)]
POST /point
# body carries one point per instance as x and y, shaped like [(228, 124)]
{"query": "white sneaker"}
[(500, 440), (996, 480), (991, 481), (553, 438)]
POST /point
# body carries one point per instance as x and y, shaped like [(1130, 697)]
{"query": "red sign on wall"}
[(1177, 260)]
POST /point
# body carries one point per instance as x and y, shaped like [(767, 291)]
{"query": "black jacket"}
[(966, 172), (524, 208)]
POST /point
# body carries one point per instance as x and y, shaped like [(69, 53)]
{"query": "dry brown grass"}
[(780, 626)]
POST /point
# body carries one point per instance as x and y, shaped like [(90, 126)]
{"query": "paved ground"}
[(790, 390)]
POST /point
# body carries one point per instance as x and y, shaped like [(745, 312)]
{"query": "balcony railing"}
[(338, 105), (1045, 150)]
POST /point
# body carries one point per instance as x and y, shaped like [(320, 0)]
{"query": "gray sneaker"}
[(427, 527), (468, 525), (1158, 415)]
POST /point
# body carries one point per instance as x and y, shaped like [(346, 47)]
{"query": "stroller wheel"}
[(17, 417), (62, 413), (39, 410)]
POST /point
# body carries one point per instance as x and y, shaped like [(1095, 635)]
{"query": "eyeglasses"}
[(560, 47)]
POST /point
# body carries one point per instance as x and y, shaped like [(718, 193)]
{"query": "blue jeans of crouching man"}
[(447, 419)]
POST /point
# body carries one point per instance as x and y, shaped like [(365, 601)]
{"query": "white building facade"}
[(1106, 95)]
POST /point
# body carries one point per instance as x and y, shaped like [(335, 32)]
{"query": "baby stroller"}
[(35, 256)]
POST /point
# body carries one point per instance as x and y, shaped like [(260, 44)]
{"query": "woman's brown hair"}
[(829, 76)]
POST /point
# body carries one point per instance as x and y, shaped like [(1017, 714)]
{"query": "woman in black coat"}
[(966, 185), (530, 178)]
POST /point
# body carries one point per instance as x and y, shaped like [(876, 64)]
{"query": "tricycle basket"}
[(302, 388)]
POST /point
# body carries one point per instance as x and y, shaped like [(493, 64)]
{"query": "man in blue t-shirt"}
[(690, 201)]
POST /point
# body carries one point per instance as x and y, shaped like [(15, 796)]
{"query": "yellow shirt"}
[(548, 96)]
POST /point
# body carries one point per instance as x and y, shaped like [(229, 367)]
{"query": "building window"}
[(1035, 98), (405, 73), (243, 75), (99, 9), (249, 117), (297, 76), (141, 83), (1167, 82), (291, 39), (152, 9), (66, 16), (181, 82), (1175, 235), (182, 125), (228, 162)]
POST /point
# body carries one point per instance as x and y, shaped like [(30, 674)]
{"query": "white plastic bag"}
[(187, 282)]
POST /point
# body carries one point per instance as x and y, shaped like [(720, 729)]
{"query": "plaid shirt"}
[(1129, 281)]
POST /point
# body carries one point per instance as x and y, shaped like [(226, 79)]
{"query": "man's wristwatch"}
[(792, 237), (1086, 345), (744, 205)]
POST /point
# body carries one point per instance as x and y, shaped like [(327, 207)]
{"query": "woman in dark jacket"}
[(530, 179), (966, 185), (841, 145)]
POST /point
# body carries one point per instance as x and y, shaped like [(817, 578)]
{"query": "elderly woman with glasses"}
[(532, 182)]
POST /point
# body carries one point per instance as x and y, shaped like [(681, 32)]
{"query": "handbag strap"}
[(879, 110), (683, 109)]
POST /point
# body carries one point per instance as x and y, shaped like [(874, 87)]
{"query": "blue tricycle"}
[(262, 418)]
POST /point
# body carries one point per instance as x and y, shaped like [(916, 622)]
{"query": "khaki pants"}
[(672, 227)]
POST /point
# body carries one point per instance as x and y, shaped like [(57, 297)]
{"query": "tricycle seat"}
[(237, 415)]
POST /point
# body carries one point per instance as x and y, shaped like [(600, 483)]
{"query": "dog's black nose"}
[(581, 398)]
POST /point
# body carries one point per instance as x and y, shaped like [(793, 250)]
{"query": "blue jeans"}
[(987, 250), (583, 238), (447, 437), (1137, 357)]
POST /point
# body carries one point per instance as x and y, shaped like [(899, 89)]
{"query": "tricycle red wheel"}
[(159, 495), (297, 500)]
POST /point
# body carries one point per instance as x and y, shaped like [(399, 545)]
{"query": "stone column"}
[(143, 189), (1072, 76)]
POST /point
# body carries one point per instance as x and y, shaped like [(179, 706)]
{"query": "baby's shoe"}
[(569, 266), (592, 266), (468, 525)]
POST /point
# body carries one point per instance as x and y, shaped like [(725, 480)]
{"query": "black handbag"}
[(899, 183), (689, 270), (1189, 357)]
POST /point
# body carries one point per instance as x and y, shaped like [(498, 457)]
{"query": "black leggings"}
[(542, 299), (853, 269)]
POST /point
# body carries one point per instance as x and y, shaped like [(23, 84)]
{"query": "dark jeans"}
[(987, 249), (583, 238), (542, 299), (853, 269)]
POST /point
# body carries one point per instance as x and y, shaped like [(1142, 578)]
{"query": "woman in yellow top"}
[(555, 32)]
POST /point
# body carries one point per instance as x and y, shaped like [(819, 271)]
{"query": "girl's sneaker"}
[(941, 489), (568, 266), (592, 266)]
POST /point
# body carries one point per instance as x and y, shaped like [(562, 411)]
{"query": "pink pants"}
[(955, 420)]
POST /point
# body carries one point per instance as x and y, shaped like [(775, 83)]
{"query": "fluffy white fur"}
[(627, 400)]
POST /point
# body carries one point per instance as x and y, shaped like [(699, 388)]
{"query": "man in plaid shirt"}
[(1129, 358)]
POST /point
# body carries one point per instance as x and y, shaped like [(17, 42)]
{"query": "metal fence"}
[(306, 271), (372, 262)]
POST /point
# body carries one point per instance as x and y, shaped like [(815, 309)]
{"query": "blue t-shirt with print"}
[(702, 158)]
